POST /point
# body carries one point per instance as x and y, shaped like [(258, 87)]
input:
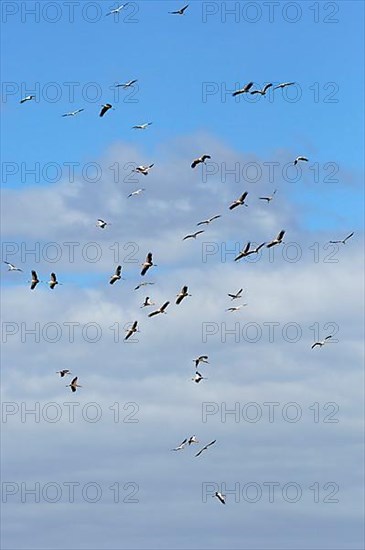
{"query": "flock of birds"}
[(149, 263)]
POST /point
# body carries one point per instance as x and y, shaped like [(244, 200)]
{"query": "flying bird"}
[(200, 160), (182, 294), (141, 126), (206, 447), (236, 308), (74, 385), (236, 296), (284, 85), (53, 281), (63, 372), (27, 98), (263, 91), (132, 330), (209, 220), (198, 377), (243, 90), (102, 224), (268, 199), (148, 302), (201, 359), (181, 446), (12, 267), (193, 439), (117, 10), (147, 264), (320, 344), (181, 11), (128, 84), (143, 169), (339, 242), (161, 310), (74, 113), (240, 201), (304, 159), (137, 192), (193, 235), (105, 108), (277, 240), (220, 497), (117, 275), (34, 280), (142, 284), (246, 251)]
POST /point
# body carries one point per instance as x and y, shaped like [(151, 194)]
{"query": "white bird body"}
[(63, 372), (236, 308), (143, 169), (132, 330), (277, 240), (74, 385), (147, 302), (74, 113), (182, 294), (160, 310), (137, 192), (102, 224), (117, 10), (141, 126), (201, 359), (117, 275), (198, 377), (240, 201), (220, 497)]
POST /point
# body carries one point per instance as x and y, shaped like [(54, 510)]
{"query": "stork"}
[(74, 385), (268, 199), (243, 90), (339, 242), (277, 240), (240, 201), (160, 310), (236, 296), (284, 85), (117, 275), (12, 267), (209, 220), (180, 11), (220, 497), (298, 159), (105, 108), (263, 91), (126, 85), (200, 160), (143, 169), (193, 235), (147, 302), (132, 330), (137, 192), (198, 377), (53, 281), (147, 264), (102, 224), (34, 280), (141, 126), (182, 294), (236, 308), (322, 343), (206, 447), (200, 359), (27, 98), (246, 251), (63, 372), (117, 10), (74, 113), (181, 446)]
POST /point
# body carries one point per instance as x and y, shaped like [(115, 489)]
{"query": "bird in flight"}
[(27, 98), (192, 439), (117, 10), (74, 385), (277, 240), (181, 446), (220, 497), (339, 242), (143, 169), (198, 377), (34, 280), (182, 294), (205, 448), (142, 284), (243, 90), (141, 126), (147, 264), (117, 275), (147, 302), (180, 11), (74, 113), (201, 359), (63, 372), (240, 201), (246, 251), (53, 281), (128, 84), (209, 220), (132, 330), (263, 91), (284, 85), (134, 193), (102, 224), (12, 267), (236, 308), (320, 344), (105, 108), (200, 160), (236, 296), (304, 159), (193, 235), (268, 199), (160, 310)]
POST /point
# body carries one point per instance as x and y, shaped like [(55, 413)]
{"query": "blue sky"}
[(176, 59)]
